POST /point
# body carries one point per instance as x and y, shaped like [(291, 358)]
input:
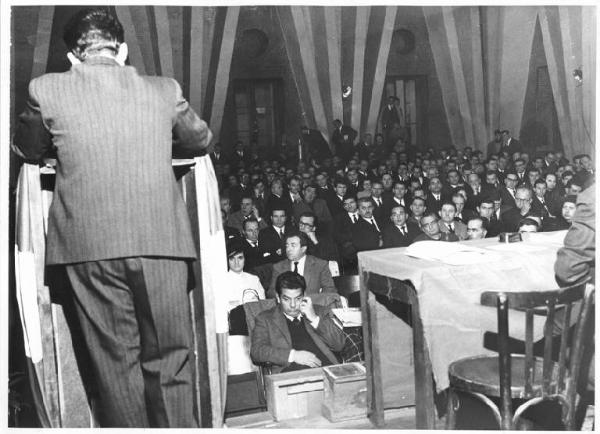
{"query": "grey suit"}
[(272, 342), (316, 273), (119, 226)]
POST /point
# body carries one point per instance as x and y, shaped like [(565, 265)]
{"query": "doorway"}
[(411, 92), (258, 111)]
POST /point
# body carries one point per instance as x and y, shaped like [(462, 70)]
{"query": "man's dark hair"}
[(571, 198), (301, 235), (289, 280), (484, 221), (308, 214), (528, 222), (449, 203), (278, 208), (417, 198), (539, 181), (93, 29), (247, 196), (250, 220)]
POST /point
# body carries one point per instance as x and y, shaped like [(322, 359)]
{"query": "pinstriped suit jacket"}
[(115, 133)]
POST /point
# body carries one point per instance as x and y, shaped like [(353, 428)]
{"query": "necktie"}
[(374, 224), (354, 218), (280, 233), (255, 244), (403, 230), (295, 266), (451, 228), (296, 321)]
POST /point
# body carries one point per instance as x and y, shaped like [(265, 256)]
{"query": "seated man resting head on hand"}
[(295, 334)]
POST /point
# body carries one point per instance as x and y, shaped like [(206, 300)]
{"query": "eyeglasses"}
[(308, 225)]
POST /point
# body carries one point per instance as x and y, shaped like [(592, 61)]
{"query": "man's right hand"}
[(306, 358)]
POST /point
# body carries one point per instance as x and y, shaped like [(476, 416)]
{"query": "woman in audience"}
[(241, 287)]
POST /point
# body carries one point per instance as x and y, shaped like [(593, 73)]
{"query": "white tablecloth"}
[(454, 322)]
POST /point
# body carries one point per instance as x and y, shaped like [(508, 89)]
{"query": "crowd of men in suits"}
[(374, 195)]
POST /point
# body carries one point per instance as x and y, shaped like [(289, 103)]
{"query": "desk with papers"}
[(443, 282)]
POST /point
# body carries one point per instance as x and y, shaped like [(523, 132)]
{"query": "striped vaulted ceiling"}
[(481, 57)]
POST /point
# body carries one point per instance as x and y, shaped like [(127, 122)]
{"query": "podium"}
[(61, 401)]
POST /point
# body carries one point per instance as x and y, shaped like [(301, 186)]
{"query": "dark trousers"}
[(135, 319)]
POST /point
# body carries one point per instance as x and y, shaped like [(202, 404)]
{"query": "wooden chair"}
[(535, 379)]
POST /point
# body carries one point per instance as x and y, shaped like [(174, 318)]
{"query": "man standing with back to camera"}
[(117, 223)]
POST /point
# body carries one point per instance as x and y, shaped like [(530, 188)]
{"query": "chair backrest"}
[(560, 306), (347, 285), (253, 308)]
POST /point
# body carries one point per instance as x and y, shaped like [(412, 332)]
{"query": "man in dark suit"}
[(342, 138), (240, 157), (253, 252), (462, 214), (247, 210), (512, 217), (476, 190), (314, 270), (507, 193), (278, 200), (311, 203), (400, 198), (314, 144), (376, 195), (390, 118), (538, 204), (320, 243), (271, 238), (399, 233), (435, 198), (295, 334), (325, 191), (493, 147), (366, 232), (118, 225), (510, 144), (216, 156)]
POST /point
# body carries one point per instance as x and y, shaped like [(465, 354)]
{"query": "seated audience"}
[(314, 270), (295, 334)]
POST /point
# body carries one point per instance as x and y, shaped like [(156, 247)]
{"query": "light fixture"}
[(578, 75), (346, 91)]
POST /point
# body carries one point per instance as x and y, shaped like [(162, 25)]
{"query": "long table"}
[(444, 294)]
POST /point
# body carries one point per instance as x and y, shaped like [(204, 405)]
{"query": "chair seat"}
[(479, 374)]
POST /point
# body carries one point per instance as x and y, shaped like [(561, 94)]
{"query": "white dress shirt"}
[(301, 263)]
